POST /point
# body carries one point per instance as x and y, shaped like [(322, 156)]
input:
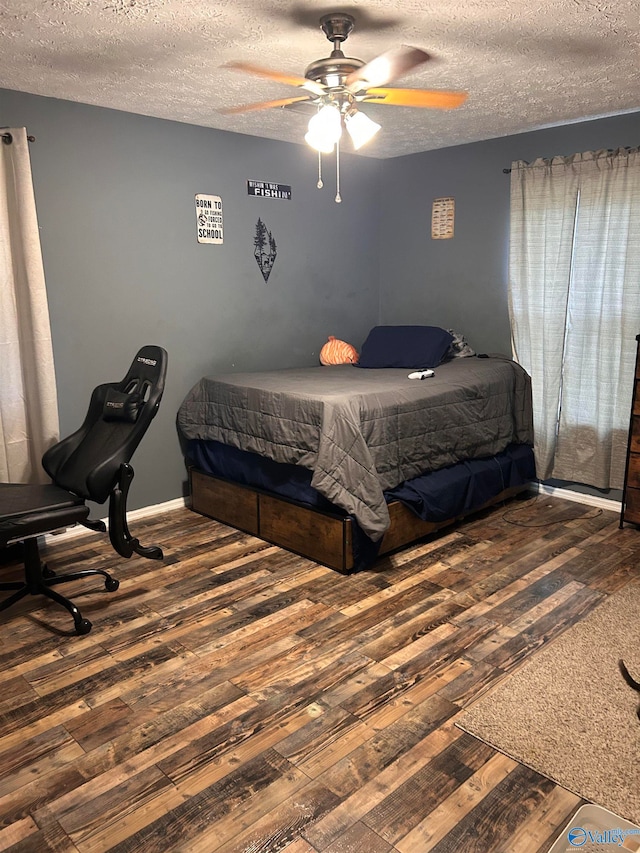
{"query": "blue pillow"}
[(405, 346)]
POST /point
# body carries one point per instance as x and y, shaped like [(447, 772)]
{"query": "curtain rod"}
[(609, 150), (7, 138)]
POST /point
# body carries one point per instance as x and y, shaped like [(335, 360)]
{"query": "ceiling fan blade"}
[(416, 98), (386, 67), (264, 105), (278, 76)]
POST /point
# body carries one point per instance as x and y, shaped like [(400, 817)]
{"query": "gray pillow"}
[(458, 348)]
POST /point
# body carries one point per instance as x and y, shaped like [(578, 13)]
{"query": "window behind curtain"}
[(574, 288)]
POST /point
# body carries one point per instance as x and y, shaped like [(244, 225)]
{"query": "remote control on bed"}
[(421, 374)]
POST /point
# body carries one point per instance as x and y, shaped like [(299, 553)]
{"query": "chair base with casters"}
[(91, 464), (23, 505), (39, 579)]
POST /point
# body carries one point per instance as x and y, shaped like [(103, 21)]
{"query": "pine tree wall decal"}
[(265, 249)]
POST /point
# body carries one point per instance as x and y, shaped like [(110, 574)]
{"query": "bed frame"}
[(319, 535)]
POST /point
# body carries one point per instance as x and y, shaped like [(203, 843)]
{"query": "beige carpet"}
[(568, 714)]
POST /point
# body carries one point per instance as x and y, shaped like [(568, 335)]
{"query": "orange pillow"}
[(338, 352)]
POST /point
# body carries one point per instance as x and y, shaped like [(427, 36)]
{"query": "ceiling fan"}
[(341, 82), (338, 84)]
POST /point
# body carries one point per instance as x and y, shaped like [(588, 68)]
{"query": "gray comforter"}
[(363, 431)]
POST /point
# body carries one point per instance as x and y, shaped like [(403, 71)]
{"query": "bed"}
[(343, 464)]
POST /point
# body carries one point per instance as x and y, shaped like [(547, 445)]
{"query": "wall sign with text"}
[(268, 190), (209, 218), (442, 218)]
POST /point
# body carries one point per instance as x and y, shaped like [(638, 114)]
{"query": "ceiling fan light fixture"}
[(319, 144), (325, 129), (361, 128)]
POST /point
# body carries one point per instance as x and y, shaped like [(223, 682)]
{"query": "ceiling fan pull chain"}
[(319, 184), (338, 196)]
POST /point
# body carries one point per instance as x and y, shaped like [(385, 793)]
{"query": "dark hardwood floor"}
[(237, 697)]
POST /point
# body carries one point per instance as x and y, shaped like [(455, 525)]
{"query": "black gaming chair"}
[(91, 464)]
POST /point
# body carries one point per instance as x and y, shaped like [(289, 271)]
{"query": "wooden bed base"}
[(319, 535)]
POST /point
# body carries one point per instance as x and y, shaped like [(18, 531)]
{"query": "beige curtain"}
[(28, 400), (574, 287)]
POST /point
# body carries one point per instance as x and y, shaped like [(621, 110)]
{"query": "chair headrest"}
[(149, 366)]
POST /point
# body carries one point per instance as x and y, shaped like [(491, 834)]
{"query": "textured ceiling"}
[(526, 64)]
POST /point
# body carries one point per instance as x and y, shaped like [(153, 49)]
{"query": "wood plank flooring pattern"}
[(236, 697)]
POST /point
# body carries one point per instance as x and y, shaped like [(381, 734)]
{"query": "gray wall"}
[(462, 283), (115, 198)]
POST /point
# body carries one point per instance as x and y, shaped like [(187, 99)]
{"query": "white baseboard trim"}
[(132, 515), (577, 497), (156, 509)]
